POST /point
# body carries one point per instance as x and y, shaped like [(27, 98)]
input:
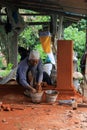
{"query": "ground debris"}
[(8, 107), (82, 105)]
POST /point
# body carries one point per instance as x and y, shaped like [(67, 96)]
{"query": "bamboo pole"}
[(86, 54)]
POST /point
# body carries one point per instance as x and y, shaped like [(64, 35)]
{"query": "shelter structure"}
[(64, 7), (71, 9)]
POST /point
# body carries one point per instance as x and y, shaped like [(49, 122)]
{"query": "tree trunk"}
[(13, 47)]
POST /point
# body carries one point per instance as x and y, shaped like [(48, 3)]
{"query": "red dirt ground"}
[(22, 114)]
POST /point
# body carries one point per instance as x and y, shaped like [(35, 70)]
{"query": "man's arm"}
[(40, 72), (23, 78)]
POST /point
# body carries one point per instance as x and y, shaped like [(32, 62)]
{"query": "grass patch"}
[(4, 73)]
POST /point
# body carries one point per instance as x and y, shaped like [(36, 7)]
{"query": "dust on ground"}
[(22, 114)]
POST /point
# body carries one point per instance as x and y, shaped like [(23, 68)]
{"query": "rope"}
[(86, 35)]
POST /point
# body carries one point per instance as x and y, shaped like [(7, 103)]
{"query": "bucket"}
[(36, 97), (51, 95)]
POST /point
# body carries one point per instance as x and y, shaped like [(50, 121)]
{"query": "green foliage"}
[(29, 37), (78, 38), (18, 58), (40, 50), (42, 18), (9, 66), (81, 25), (1, 64), (4, 73)]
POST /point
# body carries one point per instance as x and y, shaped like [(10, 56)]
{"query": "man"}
[(30, 71), (83, 63), (83, 66)]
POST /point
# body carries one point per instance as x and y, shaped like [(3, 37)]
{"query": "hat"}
[(34, 55)]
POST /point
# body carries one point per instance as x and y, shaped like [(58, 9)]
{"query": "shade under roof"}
[(71, 7)]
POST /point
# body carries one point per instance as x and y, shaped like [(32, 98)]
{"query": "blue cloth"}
[(23, 69), (48, 60), (44, 33)]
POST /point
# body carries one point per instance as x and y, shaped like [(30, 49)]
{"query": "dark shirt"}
[(83, 63)]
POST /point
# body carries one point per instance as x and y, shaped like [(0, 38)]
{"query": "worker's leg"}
[(46, 78)]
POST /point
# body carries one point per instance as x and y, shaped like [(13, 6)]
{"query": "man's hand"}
[(39, 88), (32, 89)]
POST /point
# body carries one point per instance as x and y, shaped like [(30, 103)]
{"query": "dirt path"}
[(25, 115)]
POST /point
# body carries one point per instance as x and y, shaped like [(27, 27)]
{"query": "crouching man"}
[(30, 72)]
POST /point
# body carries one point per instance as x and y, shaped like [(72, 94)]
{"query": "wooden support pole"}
[(60, 28)]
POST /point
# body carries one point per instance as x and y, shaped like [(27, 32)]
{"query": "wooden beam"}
[(41, 7), (27, 14), (38, 23), (33, 23)]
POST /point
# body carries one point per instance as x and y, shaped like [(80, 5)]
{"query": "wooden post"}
[(13, 49), (60, 28), (86, 54)]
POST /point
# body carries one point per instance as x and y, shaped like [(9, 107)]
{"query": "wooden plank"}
[(82, 105)]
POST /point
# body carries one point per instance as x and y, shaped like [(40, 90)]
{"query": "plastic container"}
[(74, 104), (51, 96), (36, 97)]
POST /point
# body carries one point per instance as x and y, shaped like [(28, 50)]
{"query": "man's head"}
[(34, 57)]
